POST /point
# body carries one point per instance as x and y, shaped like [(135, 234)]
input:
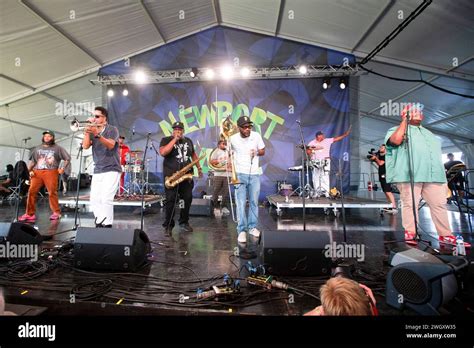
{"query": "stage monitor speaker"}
[(296, 253), (19, 233), (201, 207), (110, 249)]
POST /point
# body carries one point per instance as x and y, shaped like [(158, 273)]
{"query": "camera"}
[(372, 152)]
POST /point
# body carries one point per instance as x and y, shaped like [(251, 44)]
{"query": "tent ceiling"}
[(59, 41)]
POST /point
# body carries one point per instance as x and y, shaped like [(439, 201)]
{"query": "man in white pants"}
[(319, 151), (103, 138)]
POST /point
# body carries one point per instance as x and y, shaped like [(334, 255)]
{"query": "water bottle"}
[(460, 248)]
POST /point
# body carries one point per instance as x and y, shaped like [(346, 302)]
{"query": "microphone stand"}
[(304, 156), (24, 148), (343, 209), (76, 207), (143, 182)]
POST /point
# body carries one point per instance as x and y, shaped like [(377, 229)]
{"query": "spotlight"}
[(140, 77), (244, 72), (303, 70), (342, 83), (125, 92), (194, 72), (110, 92), (210, 74), (326, 83), (227, 72)]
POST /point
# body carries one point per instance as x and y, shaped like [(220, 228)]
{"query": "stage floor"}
[(127, 201), (185, 262)]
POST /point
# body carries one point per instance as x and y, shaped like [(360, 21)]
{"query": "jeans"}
[(249, 186)]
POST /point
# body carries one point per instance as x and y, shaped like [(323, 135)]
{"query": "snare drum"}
[(286, 189)]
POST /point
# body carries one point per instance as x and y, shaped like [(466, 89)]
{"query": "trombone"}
[(81, 125)]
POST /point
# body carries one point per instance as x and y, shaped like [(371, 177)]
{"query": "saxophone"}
[(180, 175)]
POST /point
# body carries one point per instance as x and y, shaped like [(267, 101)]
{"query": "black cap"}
[(319, 133), (49, 132), (178, 125), (243, 120), (450, 154)]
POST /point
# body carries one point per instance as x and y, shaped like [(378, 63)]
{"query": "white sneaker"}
[(225, 211), (242, 237), (254, 232)]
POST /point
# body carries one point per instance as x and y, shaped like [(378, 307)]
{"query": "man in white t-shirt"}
[(319, 151), (219, 160), (247, 147)]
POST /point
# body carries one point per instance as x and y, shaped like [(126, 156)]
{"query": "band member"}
[(104, 139), (456, 181), (248, 146), (124, 150), (220, 159), (379, 160), (178, 151), (428, 173), (319, 150), (65, 176), (8, 181), (44, 171)]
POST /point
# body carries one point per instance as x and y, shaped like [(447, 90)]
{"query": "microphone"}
[(26, 139)]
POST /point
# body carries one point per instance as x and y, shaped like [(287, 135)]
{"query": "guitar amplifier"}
[(201, 207)]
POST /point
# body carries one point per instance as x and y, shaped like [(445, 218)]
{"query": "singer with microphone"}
[(423, 149), (104, 140), (44, 170), (248, 146), (178, 151)]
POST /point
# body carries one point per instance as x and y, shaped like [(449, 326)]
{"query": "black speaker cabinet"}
[(201, 207), (296, 253), (110, 249), (19, 233)]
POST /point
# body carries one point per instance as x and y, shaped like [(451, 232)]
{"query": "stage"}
[(185, 264), (125, 201)]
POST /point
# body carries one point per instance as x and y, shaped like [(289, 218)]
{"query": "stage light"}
[(209, 74), (140, 76), (194, 72), (110, 93), (244, 72), (227, 72), (342, 83), (125, 92), (326, 83), (303, 70)]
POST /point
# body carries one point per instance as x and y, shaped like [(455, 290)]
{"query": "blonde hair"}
[(342, 296)]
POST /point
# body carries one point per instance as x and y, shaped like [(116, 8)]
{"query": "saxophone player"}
[(178, 151)]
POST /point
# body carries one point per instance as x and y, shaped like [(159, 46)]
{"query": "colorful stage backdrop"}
[(273, 105)]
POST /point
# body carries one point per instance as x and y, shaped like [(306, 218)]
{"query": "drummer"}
[(124, 150), (319, 151)]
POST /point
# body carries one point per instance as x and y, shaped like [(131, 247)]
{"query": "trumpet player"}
[(178, 151), (220, 159), (104, 140), (247, 147)]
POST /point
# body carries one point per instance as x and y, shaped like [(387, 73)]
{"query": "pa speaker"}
[(201, 207), (296, 253), (19, 233), (110, 249)]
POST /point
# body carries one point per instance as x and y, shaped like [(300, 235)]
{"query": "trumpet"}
[(81, 125)]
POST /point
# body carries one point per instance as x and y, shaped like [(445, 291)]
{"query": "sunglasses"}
[(246, 127)]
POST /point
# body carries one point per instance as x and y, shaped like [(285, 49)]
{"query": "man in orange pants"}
[(44, 171)]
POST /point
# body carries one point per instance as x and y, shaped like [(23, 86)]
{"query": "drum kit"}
[(136, 173)]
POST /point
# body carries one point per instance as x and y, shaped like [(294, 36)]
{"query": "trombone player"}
[(221, 164)]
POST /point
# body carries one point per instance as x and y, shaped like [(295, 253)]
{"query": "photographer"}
[(379, 159)]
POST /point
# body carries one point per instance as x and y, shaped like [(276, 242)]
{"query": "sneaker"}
[(55, 216), (451, 240), (242, 237), (27, 218), (225, 211), (186, 228), (410, 238), (168, 231), (255, 232)]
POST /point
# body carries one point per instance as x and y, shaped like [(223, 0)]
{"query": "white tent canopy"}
[(50, 49)]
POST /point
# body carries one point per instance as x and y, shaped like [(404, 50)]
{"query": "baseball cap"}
[(49, 132), (178, 125), (243, 120)]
